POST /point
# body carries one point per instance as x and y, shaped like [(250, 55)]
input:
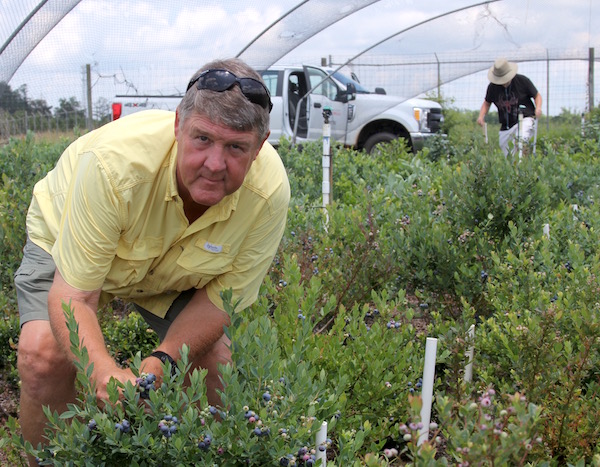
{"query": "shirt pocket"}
[(206, 258), (134, 260)]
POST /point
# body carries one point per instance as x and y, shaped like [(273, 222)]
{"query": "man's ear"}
[(261, 145)]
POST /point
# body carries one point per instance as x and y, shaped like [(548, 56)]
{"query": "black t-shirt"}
[(519, 92)]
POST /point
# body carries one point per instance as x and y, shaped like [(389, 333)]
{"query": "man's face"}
[(212, 160)]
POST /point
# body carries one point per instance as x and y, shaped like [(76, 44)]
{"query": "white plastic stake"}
[(470, 355), (427, 389), (485, 132), (520, 135), (547, 231), (326, 164), (321, 439)]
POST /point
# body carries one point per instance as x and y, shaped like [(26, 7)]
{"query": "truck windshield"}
[(345, 80)]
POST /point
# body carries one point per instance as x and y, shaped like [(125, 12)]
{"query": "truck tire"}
[(377, 138)]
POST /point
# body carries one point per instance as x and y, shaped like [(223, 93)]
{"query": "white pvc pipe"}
[(326, 162), (321, 439), (485, 132), (546, 231), (470, 355), (520, 135), (427, 389)]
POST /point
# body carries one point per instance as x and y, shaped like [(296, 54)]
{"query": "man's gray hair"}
[(230, 108)]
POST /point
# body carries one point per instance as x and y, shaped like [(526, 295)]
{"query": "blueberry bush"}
[(413, 246)]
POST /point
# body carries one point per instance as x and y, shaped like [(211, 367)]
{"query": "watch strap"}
[(165, 357)]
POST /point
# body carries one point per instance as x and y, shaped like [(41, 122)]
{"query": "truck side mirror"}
[(380, 91), (350, 92)]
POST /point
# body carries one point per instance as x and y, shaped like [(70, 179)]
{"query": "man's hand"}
[(102, 378), (485, 108)]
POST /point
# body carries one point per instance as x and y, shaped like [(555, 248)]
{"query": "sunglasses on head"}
[(222, 80)]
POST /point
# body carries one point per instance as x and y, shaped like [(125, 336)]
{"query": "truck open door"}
[(325, 93)]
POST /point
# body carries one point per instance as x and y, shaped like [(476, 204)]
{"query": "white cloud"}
[(142, 37)]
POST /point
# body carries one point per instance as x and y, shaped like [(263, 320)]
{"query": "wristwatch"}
[(165, 357)]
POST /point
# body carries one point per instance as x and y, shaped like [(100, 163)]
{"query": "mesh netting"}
[(35, 21), (295, 27), (166, 41)]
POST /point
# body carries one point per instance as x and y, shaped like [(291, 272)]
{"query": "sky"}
[(155, 45)]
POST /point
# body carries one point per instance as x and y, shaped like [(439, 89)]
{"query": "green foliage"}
[(412, 246), (126, 337), (22, 164), (9, 336)]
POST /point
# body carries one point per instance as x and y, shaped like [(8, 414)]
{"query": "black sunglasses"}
[(222, 80)]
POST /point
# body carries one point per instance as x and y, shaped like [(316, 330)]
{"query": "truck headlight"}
[(421, 117)]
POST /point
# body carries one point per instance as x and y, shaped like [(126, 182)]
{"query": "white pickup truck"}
[(358, 118)]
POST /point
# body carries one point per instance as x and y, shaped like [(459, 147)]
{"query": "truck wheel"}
[(378, 138)]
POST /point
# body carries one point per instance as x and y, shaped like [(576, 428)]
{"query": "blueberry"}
[(266, 397), (204, 442)]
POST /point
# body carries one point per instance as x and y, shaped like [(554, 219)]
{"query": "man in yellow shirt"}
[(164, 210)]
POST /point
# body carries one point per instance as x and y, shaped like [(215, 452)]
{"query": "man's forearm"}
[(84, 307), (199, 325)]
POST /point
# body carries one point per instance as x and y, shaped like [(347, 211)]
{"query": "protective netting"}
[(25, 23), (153, 47), (297, 26)]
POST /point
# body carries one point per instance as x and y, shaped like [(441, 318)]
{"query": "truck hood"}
[(381, 106), (384, 100)]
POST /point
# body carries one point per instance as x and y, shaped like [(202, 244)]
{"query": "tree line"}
[(19, 113)]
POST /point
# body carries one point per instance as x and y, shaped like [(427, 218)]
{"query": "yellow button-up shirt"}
[(110, 215)]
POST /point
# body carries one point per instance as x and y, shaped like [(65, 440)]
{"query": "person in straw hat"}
[(511, 93)]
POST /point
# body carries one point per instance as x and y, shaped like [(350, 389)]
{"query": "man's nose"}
[(216, 158)]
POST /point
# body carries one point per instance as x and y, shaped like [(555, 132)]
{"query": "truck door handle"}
[(317, 105)]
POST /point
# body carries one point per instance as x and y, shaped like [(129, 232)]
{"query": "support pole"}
[(321, 441), (470, 355), (520, 135), (88, 74), (326, 156), (427, 390), (591, 79)]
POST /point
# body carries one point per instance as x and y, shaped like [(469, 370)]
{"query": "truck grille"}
[(435, 118)]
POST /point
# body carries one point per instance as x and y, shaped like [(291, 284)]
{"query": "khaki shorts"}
[(34, 278)]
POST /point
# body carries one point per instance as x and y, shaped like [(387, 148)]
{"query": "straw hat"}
[(502, 71)]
